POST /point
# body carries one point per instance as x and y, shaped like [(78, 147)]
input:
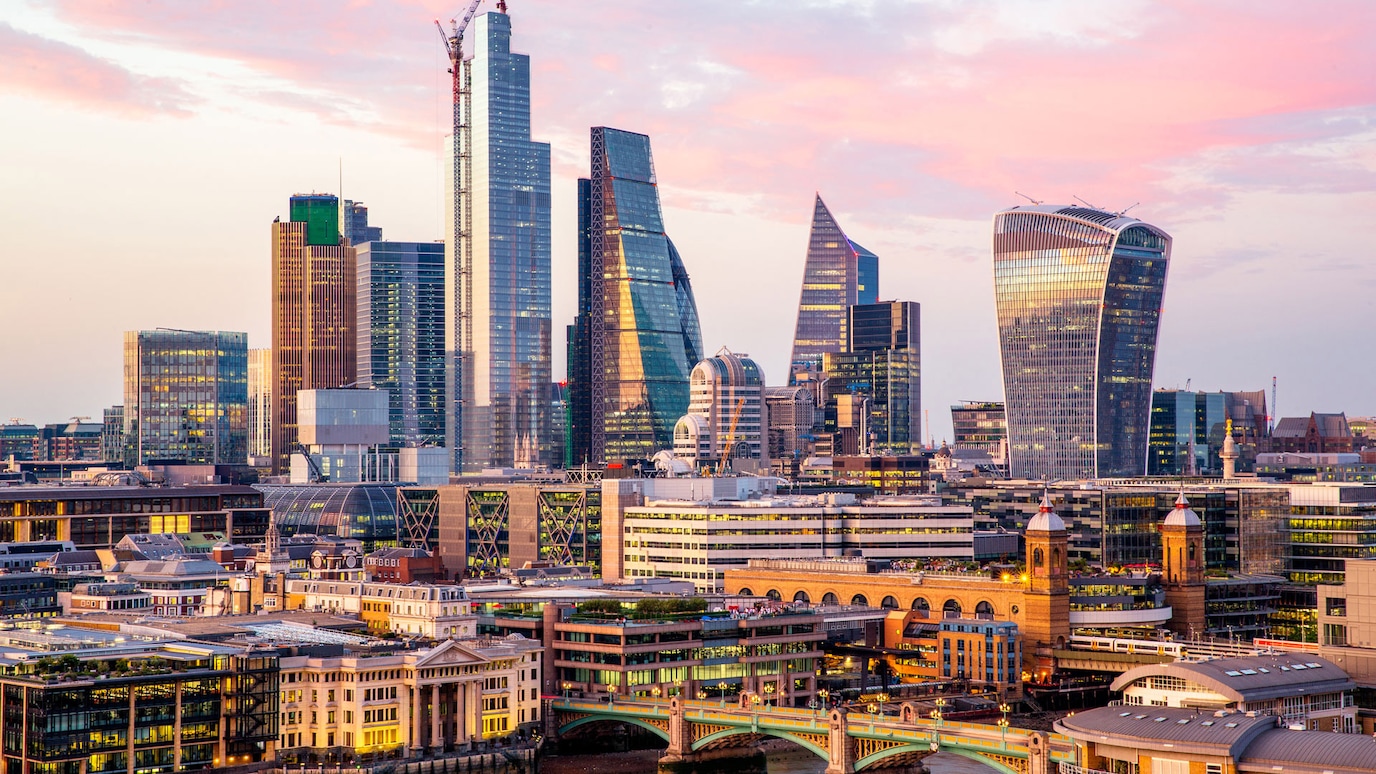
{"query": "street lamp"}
[(822, 696), (701, 694), (755, 702), (1003, 730), (883, 699), (937, 713), (769, 691), (721, 686), (655, 692), (611, 695)]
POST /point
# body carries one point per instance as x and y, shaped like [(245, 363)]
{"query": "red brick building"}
[(403, 565)]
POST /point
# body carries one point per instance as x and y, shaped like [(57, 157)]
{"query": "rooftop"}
[(1252, 678), (1159, 728)]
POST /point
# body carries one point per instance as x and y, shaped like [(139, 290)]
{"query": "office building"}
[(482, 530), (19, 440), (1186, 433), (1314, 434), (880, 367), (729, 533), (314, 284), (356, 511), (725, 420), (186, 396), (1079, 294), (260, 406), (70, 441), (1327, 525), (112, 443), (497, 276), (118, 705), (356, 228), (401, 336), (837, 275), (636, 337), (99, 516), (980, 426), (792, 414)]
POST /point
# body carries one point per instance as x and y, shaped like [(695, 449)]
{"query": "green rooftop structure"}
[(320, 213)]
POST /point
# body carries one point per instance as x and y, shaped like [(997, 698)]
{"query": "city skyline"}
[(1257, 164)]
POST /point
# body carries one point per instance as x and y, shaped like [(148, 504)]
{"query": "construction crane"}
[(461, 315), (730, 437)]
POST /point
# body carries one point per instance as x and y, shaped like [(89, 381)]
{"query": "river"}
[(780, 761)]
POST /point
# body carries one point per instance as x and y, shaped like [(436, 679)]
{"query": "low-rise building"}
[(99, 516), (433, 611), (108, 598), (426, 701), (403, 565), (1301, 690)]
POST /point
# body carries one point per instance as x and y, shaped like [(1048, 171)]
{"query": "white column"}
[(460, 712), (415, 719), (436, 737)]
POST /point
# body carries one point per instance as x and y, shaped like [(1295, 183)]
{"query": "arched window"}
[(859, 599), (830, 599), (922, 605), (889, 603), (746, 592), (1037, 557), (952, 608), (984, 608), (774, 595), (1192, 550), (801, 597)]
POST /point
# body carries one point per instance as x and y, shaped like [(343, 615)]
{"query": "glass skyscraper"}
[(259, 404), (1078, 293), (186, 396), (497, 275), (636, 337), (838, 275), (401, 336), (882, 362)]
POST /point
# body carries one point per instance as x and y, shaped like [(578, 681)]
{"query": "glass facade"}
[(1079, 294), (186, 396), (882, 362), (259, 403), (838, 274), (366, 512), (401, 335), (979, 425), (1187, 431), (498, 272), (637, 332)]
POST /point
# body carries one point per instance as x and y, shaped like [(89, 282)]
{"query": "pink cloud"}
[(49, 69), (788, 100)]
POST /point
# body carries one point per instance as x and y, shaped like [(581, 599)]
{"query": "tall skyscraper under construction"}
[(838, 275), (1078, 293), (636, 337), (497, 269)]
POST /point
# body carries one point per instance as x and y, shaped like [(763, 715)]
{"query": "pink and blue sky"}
[(146, 148)]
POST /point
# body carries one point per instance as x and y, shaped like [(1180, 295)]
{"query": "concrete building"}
[(480, 530), (1168, 740), (700, 540), (1079, 296), (100, 516), (725, 422), (1297, 689), (314, 287), (111, 597), (791, 416), (403, 565), (1346, 622), (432, 611), (429, 701)]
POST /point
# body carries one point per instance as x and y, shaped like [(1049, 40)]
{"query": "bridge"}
[(848, 741)]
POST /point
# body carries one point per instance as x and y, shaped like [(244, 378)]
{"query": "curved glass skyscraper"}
[(636, 337), (1079, 296), (838, 274)]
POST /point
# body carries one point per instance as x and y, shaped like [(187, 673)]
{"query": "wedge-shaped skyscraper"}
[(636, 337), (839, 274), (1079, 296)]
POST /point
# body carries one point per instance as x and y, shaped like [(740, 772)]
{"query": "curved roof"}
[(1305, 751), (1167, 728), (1112, 221), (1182, 516), (366, 512), (1251, 678), (1046, 519)]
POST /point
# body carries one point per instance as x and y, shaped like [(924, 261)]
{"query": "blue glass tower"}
[(498, 271), (636, 337), (401, 335), (1078, 293), (838, 275)]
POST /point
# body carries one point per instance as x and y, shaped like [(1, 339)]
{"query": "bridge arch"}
[(746, 731), (924, 750), (583, 721)]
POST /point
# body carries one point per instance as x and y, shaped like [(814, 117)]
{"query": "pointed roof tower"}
[(822, 306), (1046, 519)]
